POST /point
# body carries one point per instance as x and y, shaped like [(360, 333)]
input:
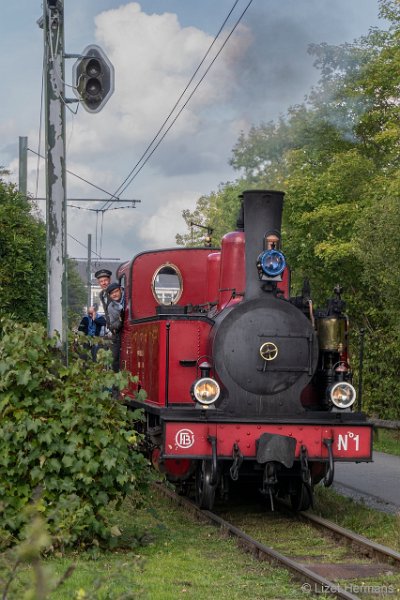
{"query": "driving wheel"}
[(205, 490)]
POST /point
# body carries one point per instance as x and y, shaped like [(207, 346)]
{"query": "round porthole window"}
[(167, 284)]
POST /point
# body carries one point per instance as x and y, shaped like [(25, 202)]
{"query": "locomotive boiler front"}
[(265, 350)]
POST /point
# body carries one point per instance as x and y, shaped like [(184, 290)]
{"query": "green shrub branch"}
[(65, 442)]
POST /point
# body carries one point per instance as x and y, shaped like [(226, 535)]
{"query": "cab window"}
[(167, 284)]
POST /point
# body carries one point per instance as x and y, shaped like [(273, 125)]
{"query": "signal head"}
[(93, 78)]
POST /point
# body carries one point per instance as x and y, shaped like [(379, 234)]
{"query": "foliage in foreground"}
[(65, 442), (172, 556), (175, 556), (28, 554)]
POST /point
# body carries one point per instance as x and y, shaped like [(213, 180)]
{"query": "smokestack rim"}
[(265, 192)]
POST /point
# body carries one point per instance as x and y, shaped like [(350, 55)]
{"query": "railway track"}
[(364, 545), (313, 582)]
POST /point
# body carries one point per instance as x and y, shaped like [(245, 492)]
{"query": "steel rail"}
[(368, 547), (263, 552)]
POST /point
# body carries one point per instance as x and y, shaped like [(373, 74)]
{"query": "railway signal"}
[(93, 78)]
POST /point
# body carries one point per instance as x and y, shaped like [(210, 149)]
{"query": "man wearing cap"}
[(103, 277), (115, 317)]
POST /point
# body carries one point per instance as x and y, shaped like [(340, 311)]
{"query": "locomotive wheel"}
[(301, 498), (205, 491)]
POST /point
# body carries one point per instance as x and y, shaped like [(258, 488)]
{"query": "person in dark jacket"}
[(115, 318), (92, 325), (103, 277)]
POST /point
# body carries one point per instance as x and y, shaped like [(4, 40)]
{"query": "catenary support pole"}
[(89, 270), (56, 239), (23, 166)]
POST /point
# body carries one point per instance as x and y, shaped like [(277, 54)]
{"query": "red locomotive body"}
[(242, 380)]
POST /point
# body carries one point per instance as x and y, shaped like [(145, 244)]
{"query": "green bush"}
[(65, 442), (23, 270), (381, 374)]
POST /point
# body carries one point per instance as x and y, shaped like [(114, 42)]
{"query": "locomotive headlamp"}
[(206, 390), (343, 394), (272, 262)]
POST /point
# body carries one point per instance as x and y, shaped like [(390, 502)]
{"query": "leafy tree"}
[(261, 151), (22, 258), (77, 294), (217, 211), (23, 272), (195, 236)]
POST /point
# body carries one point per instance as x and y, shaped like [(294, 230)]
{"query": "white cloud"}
[(154, 57), (162, 227)]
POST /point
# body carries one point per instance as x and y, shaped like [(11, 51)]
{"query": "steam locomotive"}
[(243, 381)]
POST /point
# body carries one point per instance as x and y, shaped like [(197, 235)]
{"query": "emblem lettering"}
[(184, 438)]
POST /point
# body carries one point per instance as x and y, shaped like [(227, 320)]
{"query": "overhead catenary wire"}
[(98, 210), (81, 178), (133, 173), (40, 156), (175, 105), (82, 244), (187, 101)]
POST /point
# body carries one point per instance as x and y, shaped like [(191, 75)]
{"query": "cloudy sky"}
[(156, 46)]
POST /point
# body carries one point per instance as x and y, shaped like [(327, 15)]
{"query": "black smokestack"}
[(262, 216)]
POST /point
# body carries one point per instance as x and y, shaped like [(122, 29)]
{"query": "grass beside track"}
[(387, 440), (378, 526), (166, 554)]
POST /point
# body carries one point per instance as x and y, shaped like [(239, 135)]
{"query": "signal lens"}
[(206, 390), (93, 88), (343, 394), (93, 67)]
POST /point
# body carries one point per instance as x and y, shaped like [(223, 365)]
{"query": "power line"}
[(134, 175), (175, 105), (81, 178), (81, 244), (134, 201), (98, 210)]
